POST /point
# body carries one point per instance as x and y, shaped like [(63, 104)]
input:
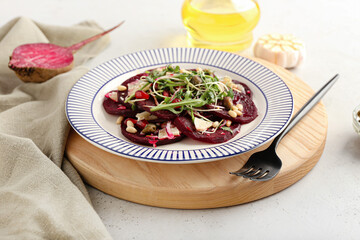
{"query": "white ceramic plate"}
[(86, 114)]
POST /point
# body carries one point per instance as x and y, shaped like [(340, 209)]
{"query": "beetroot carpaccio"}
[(166, 104)]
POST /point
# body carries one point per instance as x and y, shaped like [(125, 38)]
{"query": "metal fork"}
[(265, 165)]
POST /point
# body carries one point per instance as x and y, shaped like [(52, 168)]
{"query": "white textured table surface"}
[(325, 204)]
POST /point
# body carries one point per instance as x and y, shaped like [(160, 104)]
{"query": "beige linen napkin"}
[(41, 194)]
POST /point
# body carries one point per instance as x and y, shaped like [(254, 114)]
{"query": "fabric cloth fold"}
[(41, 194)]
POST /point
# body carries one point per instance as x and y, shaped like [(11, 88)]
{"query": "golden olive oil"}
[(220, 24)]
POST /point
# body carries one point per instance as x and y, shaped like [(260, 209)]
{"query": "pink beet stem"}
[(77, 46)]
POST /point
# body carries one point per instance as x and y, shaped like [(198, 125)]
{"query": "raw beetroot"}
[(38, 62)]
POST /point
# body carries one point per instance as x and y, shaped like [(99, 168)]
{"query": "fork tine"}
[(255, 174), (252, 173), (242, 171), (258, 173), (265, 177)]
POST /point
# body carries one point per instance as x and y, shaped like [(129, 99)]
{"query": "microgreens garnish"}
[(180, 90)]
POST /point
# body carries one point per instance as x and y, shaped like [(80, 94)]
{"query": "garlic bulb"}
[(282, 49)]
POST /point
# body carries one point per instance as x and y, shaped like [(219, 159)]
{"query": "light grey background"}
[(323, 205)]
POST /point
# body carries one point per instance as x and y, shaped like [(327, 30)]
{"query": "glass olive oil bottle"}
[(220, 24)]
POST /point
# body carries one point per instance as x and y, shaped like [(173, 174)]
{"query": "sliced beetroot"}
[(38, 62), (161, 114), (246, 87), (209, 115), (187, 127), (134, 78), (123, 94), (249, 109), (114, 108), (119, 107), (145, 105), (145, 139)]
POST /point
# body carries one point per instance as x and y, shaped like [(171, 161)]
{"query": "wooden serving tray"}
[(205, 185)]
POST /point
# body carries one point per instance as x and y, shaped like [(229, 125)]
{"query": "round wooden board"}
[(205, 185)]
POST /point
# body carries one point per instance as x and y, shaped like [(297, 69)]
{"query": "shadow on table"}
[(353, 146)]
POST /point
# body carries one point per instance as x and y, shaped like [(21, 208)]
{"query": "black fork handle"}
[(305, 109)]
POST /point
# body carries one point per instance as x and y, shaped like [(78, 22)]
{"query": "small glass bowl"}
[(356, 119)]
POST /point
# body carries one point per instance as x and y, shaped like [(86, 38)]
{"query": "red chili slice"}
[(141, 124), (166, 93), (141, 95), (134, 121), (176, 100)]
